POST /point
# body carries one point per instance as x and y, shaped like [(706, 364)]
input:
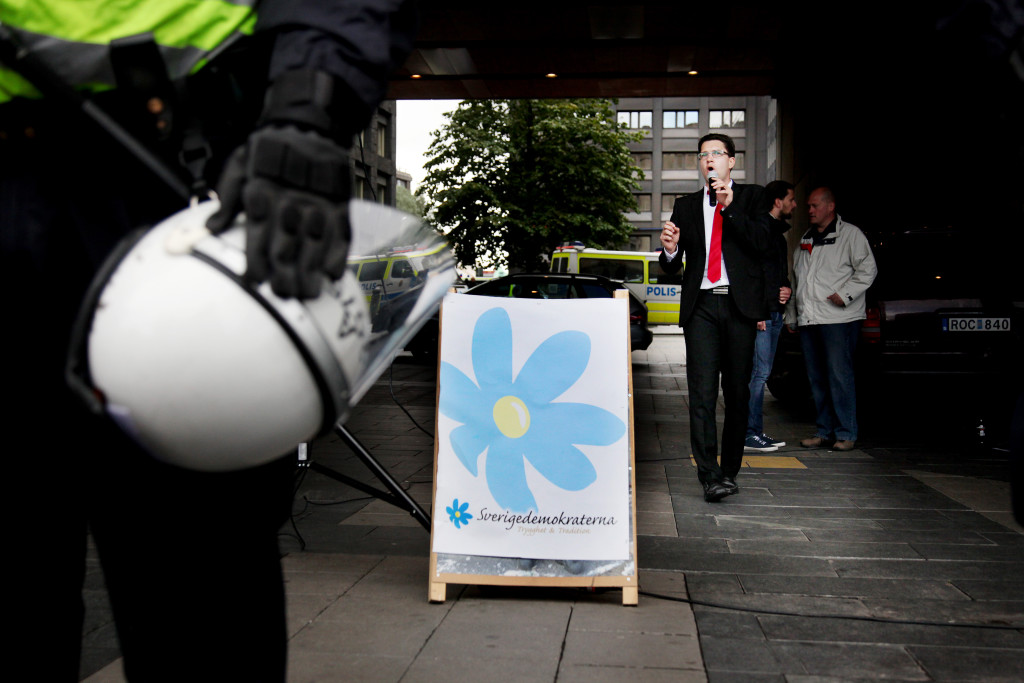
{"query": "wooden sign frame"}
[(485, 570)]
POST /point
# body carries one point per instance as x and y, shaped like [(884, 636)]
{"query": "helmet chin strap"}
[(208, 371), (291, 315), (76, 370), (308, 342)]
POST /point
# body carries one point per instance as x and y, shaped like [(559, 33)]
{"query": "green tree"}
[(410, 203), (519, 177)]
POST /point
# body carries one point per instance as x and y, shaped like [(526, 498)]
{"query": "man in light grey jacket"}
[(832, 270)]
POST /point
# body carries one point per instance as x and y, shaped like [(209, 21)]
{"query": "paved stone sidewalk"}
[(827, 567)]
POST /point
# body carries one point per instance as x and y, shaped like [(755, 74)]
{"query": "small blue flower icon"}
[(516, 419), (457, 513)]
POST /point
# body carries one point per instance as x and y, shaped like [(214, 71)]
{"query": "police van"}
[(388, 279), (640, 271)]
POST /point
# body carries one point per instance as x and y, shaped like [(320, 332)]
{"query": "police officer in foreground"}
[(260, 100)]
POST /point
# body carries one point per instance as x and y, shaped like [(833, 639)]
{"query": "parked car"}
[(935, 326), (545, 286)]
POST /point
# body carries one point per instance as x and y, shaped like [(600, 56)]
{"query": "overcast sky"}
[(417, 119)]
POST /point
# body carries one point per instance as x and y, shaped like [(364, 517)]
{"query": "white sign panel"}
[(533, 452)]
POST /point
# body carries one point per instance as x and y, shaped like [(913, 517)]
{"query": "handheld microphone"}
[(712, 196)]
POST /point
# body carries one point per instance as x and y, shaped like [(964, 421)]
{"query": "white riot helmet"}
[(209, 373)]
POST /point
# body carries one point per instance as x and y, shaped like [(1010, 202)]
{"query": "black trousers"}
[(190, 559), (719, 347)]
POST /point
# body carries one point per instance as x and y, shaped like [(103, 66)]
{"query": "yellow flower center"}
[(511, 416)]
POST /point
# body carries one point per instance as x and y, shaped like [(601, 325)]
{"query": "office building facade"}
[(373, 157), (668, 153)]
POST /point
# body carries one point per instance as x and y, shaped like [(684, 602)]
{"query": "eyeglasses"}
[(716, 153)]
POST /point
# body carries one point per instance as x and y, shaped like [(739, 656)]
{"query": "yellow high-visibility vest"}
[(73, 36)]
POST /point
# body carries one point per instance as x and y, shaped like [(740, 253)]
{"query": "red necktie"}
[(715, 251)]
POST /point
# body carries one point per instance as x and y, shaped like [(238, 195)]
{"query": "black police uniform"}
[(190, 559)]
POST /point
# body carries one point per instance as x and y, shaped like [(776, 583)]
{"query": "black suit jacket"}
[(745, 243), (776, 266)]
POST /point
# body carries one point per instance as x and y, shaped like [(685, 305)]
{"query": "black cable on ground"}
[(299, 478), (297, 535), (337, 502), (391, 388)]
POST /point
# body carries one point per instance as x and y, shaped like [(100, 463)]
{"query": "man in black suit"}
[(723, 232)]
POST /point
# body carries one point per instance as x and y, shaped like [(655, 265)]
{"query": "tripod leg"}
[(406, 501), (356, 484)]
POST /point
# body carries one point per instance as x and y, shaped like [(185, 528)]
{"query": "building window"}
[(643, 202), (635, 120), (383, 185), (739, 162), (642, 160), (382, 138), (679, 161), (363, 189), (727, 118), (668, 202), (680, 119)]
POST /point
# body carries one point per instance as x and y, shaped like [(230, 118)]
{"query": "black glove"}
[(294, 187)]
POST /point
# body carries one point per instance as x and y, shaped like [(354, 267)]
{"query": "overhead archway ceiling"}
[(867, 89), (467, 50), (505, 50)]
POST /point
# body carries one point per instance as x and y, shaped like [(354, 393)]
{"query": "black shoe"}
[(730, 483), (714, 491)]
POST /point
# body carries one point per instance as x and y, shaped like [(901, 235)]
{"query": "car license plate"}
[(975, 324)]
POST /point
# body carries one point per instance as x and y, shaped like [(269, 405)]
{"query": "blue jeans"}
[(828, 355), (764, 354)]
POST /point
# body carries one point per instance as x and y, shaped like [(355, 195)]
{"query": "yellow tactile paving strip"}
[(774, 461), (767, 461)]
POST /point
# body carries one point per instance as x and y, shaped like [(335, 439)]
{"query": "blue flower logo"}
[(515, 419), (457, 513)]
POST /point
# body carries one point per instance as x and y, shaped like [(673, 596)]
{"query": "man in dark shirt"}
[(781, 202)]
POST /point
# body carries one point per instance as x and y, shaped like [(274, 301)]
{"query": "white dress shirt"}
[(709, 223)]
